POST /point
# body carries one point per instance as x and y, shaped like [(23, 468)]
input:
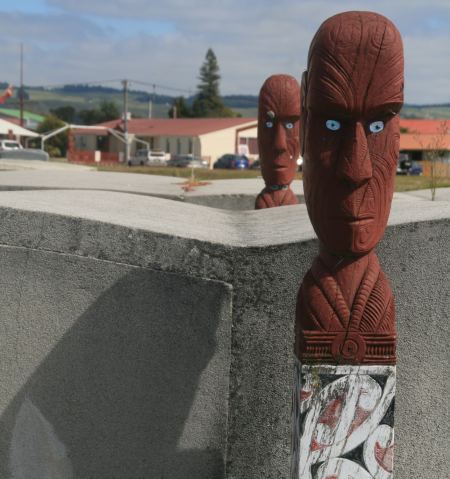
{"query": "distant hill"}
[(41, 100)]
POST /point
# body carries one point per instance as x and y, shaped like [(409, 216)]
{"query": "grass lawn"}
[(200, 173), (402, 183), (409, 183)]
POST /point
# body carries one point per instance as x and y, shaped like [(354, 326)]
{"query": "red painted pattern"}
[(385, 456)]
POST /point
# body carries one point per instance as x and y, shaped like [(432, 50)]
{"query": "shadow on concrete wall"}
[(119, 386)]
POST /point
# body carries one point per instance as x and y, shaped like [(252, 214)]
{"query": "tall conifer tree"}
[(208, 102)]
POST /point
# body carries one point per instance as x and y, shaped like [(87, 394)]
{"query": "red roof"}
[(16, 121), (424, 126), (178, 126), (424, 142), (90, 131)]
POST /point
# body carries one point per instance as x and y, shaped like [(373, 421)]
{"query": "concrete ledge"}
[(223, 194), (263, 255)]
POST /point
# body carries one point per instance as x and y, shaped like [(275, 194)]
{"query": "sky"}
[(164, 42)]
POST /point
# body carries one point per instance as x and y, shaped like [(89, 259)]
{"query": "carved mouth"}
[(359, 220)]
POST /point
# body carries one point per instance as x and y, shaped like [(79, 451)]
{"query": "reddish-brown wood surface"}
[(352, 93), (278, 139)]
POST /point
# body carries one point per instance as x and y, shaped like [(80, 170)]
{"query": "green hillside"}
[(83, 97)]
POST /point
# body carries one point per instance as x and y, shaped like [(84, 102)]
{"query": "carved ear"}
[(303, 112)]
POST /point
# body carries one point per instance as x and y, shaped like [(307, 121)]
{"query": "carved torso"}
[(333, 329), (352, 93)]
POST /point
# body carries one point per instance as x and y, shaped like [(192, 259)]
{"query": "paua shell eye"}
[(269, 124), (376, 126), (333, 125), (289, 125)]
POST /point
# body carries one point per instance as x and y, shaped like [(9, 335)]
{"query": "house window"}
[(178, 146), (167, 146), (190, 146)]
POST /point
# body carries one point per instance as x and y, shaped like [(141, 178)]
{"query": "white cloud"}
[(93, 39)]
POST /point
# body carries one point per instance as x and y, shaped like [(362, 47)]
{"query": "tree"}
[(56, 145), (64, 113), (108, 110), (180, 109), (208, 102), (435, 149)]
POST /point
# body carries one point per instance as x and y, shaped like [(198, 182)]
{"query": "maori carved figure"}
[(352, 92), (278, 139), (345, 345)]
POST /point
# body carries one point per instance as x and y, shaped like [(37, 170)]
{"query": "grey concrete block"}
[(109, 370), (263, 255)]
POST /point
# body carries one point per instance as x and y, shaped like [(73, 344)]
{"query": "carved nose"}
[(280, 137), (354, 163)]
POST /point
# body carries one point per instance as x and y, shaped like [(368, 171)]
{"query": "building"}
[(418, 137), (12, 131), (30, 120), (208, 138), (427, 142)]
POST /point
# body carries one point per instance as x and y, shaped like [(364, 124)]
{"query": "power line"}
[(161, 87), (115, 80), (57, 85)]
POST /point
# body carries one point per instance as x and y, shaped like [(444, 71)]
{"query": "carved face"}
[(278, 129), (352, 93)]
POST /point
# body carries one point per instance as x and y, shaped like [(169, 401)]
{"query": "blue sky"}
[(164, 42)]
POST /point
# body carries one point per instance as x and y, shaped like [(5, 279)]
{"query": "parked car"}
[(7, 145), (148, 157), (229, 161), (187, 161), (256, 165), (407, 167), (416, 169), (403, 165), (13, 150)]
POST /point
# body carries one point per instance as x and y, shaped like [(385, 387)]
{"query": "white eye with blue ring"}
[(333, 125), (269, 124), (289, 125), (376, 126)]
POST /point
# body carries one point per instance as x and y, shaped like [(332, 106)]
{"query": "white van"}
[(7, 145), (147, 157)]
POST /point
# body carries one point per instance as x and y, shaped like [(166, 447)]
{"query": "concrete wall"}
[(109, 370), (78, 348)]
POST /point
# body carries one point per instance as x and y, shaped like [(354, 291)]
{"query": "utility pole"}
[(153, 101), (125, 120), (21, 85)]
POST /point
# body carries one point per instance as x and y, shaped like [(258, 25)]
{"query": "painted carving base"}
[(343, 420)]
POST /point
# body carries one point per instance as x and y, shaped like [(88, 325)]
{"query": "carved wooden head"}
[(352, 93), (278, 129)]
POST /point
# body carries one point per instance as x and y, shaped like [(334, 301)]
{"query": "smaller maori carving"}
[(278, 139)]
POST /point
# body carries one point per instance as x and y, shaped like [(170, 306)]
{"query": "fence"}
[(89, 156), (441, 169)]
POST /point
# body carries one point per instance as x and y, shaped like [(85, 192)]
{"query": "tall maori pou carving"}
[(278, 139), (352, 93)]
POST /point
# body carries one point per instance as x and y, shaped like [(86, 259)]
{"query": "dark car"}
[(416, 169), (238, 162), (256, 165), (187, 161), (408, 167)]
